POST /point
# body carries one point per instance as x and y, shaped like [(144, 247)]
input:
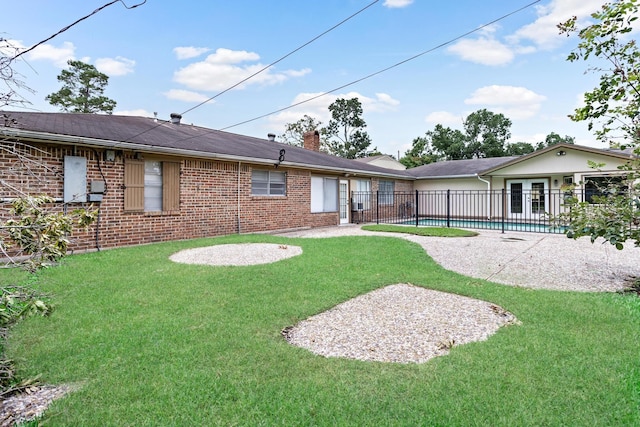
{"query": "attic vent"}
[(271, 136), (175, 118)]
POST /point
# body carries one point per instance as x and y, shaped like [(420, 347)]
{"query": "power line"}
[(76, 22), (441, 45), (284, 57), (266, 67)]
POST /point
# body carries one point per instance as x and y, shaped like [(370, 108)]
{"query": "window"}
[(268, 183), (602, 186), (385, 191), (362, 195), (324, 194), (151, 186)]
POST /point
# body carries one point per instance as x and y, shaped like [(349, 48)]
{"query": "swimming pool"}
[(488, 225)]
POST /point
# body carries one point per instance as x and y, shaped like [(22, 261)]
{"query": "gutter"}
[(488, 196), (102, 143)]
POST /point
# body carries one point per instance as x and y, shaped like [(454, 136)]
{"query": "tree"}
[(294, 132), (519, 149), (420, 153), (345, 136), (487, 133), (82, 90), (553, 139), (615, 102), (614, 105)]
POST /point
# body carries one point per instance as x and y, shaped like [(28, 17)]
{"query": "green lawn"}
[(151, 342)]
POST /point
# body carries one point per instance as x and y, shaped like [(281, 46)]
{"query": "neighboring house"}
[(533, 183), (156, 180), (382, 160)]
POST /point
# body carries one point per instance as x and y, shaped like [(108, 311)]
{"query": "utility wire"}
[(266, 67), (74, 23), (441, 45), (285, 56)]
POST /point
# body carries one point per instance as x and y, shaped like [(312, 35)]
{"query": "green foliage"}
[(38, 234), (82, 90), (294, 132), (612, 215), (486, 134), (421, 231), (614, 104), (345, 136), (519, 149), (16, 303)]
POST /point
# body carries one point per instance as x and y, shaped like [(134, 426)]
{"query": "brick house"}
[(156, 180)]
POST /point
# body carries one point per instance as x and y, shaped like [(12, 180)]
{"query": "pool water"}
[(489, 225)]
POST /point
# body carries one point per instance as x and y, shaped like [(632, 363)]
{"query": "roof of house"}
[(486, 166), (158, 136), (381, 159), (459, 168)]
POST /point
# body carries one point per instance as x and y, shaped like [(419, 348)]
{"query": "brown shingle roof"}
[(153, 135), (451, 168)]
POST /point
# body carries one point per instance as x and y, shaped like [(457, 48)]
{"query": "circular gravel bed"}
[(237, 254), (398, 323)]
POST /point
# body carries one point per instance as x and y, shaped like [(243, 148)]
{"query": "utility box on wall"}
[(75, 179)]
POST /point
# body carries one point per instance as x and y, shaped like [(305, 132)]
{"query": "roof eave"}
[(46, 137)]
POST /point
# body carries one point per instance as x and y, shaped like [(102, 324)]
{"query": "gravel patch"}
[(398, 323), (237, 254), (531, 260)]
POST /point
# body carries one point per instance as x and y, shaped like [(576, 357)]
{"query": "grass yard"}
[(151, 342)]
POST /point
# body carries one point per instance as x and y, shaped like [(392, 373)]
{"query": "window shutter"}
[(170, 186), (134, 185)]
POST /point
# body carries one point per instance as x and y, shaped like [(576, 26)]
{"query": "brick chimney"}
[(312, 140)]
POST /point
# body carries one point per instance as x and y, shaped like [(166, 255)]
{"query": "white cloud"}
[(318, 108), (397, 3), (117, 66), (543, 32), (444, 118), (57, 55), (139, 112), (513, 101), (185, 95), (485, 50), (187, 52), (225, 68)]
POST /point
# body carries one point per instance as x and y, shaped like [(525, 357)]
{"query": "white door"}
[(344, 202), (527, 199)]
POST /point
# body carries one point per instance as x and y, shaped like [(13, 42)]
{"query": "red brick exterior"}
[(210, 204)]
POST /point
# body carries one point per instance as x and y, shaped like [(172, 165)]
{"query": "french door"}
[(527, 199)]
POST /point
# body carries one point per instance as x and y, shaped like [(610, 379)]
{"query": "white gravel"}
[(398, 323), (531, 260), (237, 254)]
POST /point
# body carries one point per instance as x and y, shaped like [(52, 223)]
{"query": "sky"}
[(454, 58)]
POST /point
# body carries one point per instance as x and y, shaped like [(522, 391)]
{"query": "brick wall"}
[(209, 200)]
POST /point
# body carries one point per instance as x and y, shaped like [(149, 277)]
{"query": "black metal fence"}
[(522, 210)]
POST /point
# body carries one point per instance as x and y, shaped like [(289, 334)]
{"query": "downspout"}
[(488, 196), (238, 191)]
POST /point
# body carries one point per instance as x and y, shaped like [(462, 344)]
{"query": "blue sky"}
[(168, 57)]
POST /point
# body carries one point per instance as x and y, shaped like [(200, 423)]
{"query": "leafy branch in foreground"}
[(39, 237), (614, 213), (34, 240)]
